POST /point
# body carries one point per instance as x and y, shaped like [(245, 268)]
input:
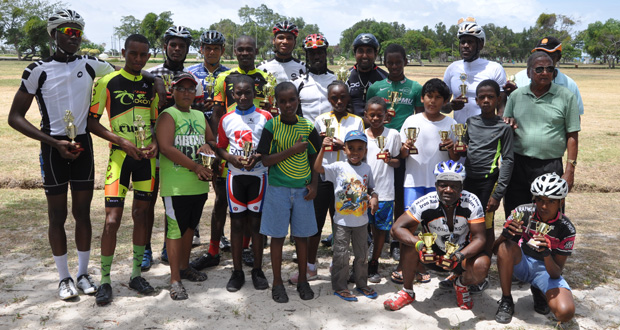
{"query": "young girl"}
[(181, 135), (288, 145)]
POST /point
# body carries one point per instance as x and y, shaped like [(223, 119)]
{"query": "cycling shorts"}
[(120, 168)]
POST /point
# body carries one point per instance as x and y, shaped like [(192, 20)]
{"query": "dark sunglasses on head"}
[(70, 31), (540, 69)]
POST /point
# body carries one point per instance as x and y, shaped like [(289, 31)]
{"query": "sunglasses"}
[(71, 31), (318, 42), (540, 69)]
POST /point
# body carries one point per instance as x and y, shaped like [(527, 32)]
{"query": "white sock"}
[(312, 267), (410, 292), (458, 281), (83, 258), (62, 266)]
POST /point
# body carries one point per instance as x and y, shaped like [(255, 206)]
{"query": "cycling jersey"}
[(167, 74), (202, 74), (312, 90), (359, 82), (284, 70), (410, 97), (60, 86), (224, 87), (428, 211), (125, 96)]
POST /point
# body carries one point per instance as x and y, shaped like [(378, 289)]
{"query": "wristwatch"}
[(572, 162)]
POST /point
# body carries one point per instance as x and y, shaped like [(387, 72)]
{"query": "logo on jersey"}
[(80, 74), (243, 136)]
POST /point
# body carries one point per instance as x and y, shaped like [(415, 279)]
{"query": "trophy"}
[(329, 132), (247, 148), (209, 88), (381, 144), (412, 134), (444, 136), (71, 132), (542, 228), (167, 78), (428, 239), (394, 98), (517, 216), (446, 259), (269, 91), (140, 132), (206, 160), (459, 130), (512, 79), (343, 72), (463, 86)]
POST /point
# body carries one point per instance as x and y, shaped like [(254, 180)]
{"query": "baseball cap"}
[(549, 45), (355, 135), (184, 76)]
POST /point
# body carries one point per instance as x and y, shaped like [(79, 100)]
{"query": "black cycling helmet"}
[(285, 26), (178, 32), (212, 37), (365, 39)]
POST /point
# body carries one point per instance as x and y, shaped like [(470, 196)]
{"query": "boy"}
[(353, 181), (247, 177), (130, 109), (540, 264), (383, 173), (288, 146)]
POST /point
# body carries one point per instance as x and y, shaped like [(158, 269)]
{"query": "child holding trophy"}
[(185, 143), (241, 129), (548, 239), (383, 149)]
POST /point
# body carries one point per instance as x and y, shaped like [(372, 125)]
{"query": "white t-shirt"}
[(349, 122), (382, 172), (284, 70), (313, 94), (476, 72), (420, 167), (351, 184)]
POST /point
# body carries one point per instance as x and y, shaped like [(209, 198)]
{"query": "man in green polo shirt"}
[(545, 117)]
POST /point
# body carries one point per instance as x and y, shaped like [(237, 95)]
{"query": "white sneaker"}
[(86, 284), (66, 289), (196, 240)]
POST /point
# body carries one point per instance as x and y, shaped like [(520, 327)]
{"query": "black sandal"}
[(177, 291), (278, 293), (305, 292), (192, 275)]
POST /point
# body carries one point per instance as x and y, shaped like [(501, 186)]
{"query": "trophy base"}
[(427, 257), (460, 148), (442, 148), (76, 147), (264, 105), (328, 148), (382, 155), (413, 151), (391, 113), (274, 112), (244, 161), (532, 243), (448, 263)]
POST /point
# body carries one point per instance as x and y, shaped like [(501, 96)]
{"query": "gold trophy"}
[(247, 148), (394, 98), (463, 86), (71, 132), (446, 259), (444, 136), (269, 92), (542, 228), (517, 216), (209, 88), (381, 144), (459, 130), (343, 72), (329, 132), (140, 132), (412, 134), (206, 160), (428, 239), (512, 79)]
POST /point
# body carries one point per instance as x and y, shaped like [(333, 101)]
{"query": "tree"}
[(603, 40), (153, 27), (381, 30), (129, 25), (231, 31)]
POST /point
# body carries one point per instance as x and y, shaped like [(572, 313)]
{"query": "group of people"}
[(285, 143)]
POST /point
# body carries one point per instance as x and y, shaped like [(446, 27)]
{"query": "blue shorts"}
[(284, 206), (534, 272), (384, 217), (413, 193)]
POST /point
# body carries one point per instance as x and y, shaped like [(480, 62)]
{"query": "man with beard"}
[(284, 66)]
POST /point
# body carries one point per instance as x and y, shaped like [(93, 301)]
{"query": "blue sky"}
[(333, 17)]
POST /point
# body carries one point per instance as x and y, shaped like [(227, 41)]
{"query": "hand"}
[(543, 243), (206, 149), (458, 103), (509, 87), (447, 143), (300, 146), (160, 89), (251, 162), (511, 122), (408, 144), (492, 205), (338, 144), (150, 151), (311, 192), (453, 264), (374, 204), (388, 157), (203, 173), (421, 255), (569, 176), (515, 227), (236, 161), (131, 150), (65, 149)]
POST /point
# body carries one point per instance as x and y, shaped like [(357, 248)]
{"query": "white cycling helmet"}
[(178, 32), (469, 27), (549, 185), (450, 171), (64, 16)]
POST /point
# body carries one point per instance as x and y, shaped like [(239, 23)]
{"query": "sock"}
[(214, 247), (311, 267), (106, 267), (246, 242), (62, 266), (138, 253), (148, 246), (458, 281), (508, 298), (83, 258), (409, 292)]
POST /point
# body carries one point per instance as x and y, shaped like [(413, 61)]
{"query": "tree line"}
[(23, 29)]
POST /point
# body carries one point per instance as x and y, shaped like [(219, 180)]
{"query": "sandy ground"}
[(29, 301)]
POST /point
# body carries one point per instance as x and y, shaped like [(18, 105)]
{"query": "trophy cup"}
[(71, 132), (412, 134), (394, 98), (459, 130), (446, 259), (269, 91), (140, 132), (329, 132), (381, 144), (343, 72), (206, 160), (429, 240), (517, 216), (247, 148), (542, 228), (444, 136), (512, 79), (463, 86), (209, 88)]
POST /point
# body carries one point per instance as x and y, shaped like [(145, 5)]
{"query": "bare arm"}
[(477, 242), (503, 97), (572, 144)]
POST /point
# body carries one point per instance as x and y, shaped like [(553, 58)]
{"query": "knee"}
[(565, 311), (236, 224)]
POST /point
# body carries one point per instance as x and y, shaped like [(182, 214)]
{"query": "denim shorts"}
[(384, 217), (283, 206), (533, 271)]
